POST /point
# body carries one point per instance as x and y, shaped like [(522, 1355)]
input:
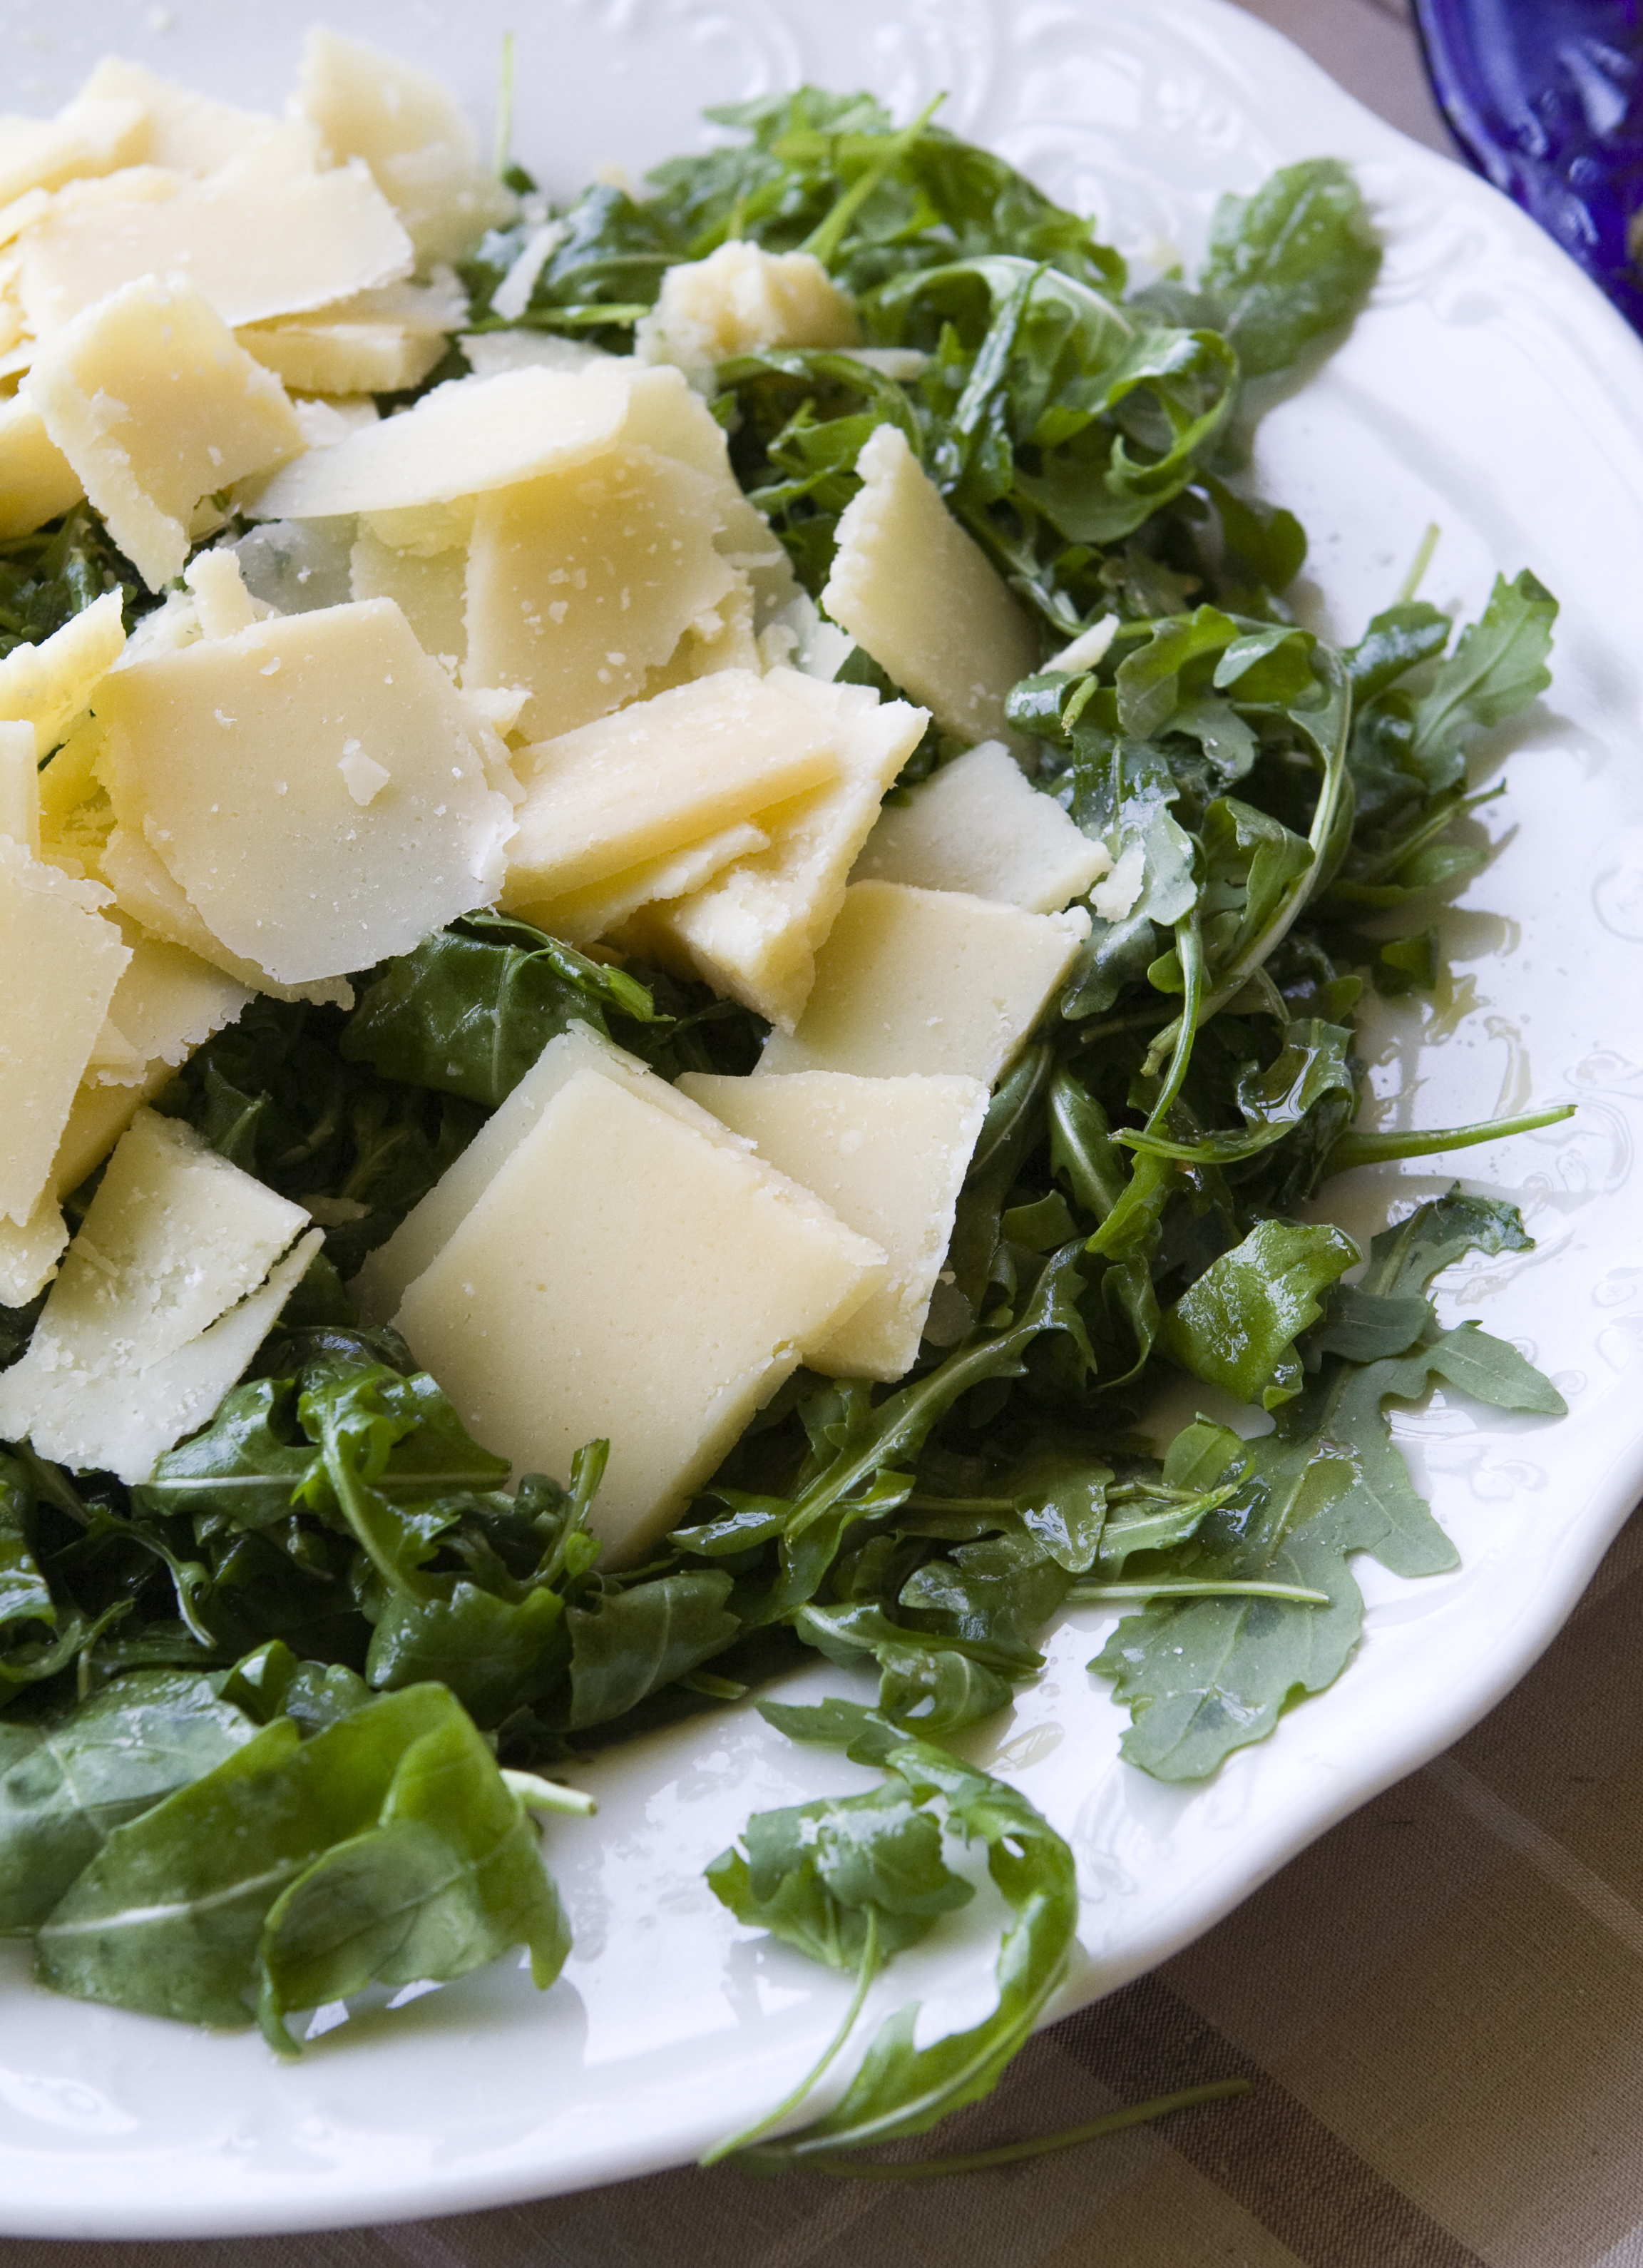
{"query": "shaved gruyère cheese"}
[(19, 786), (62, 961), (658, 776), (89, 136), (665, 414), (431, 1224), (979, 825), (462, 440), (183, 129), (889, 1156), (739, 299), (583, 916), (154, 406), (920, 596), (49, 684), (256, 240), (167, 1002), (628, 1275), (754, 931), (420, 147), (430, 589), (233, 760), (124, 1361), (37, 481), (581, 582), (144, 890), (219, 592), (314, 356), (926, 981)]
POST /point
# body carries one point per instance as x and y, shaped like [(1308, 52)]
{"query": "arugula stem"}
[(824, 240), (538, 1794), (1350, 1149), (864, 1975), (1190, 947), (1419, 564), (504, 151), (1011, 2153), (1098, 1595)]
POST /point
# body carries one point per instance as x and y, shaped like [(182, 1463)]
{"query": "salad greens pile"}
[(272, 1722)]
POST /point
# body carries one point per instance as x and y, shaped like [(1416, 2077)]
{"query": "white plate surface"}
[(1488, 388)]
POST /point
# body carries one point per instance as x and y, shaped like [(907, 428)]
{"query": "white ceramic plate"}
[(1487, 388)]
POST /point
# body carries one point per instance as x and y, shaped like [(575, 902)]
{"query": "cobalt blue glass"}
[(1546, 98)]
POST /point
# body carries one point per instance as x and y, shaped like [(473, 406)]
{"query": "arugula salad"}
[(683, 908)]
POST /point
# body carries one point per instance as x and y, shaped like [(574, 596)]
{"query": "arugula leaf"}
[(1237, 1326), (1290, 263), (470, 1010), (110, 1759), (385, 1847), (851, 1880)]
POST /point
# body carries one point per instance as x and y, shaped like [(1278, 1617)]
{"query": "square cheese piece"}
[(584, 917), (123, 1361), (381, 1284), (316, 785), (462, 440), (927, 981), (889, 1156), (313, 356), (154, 406), (658, 776), (922, 597), (62, 961), (979, 825), (581, 582), (626, 1277), (754, 931)]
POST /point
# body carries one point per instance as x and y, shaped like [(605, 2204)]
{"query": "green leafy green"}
[(852, 1880)]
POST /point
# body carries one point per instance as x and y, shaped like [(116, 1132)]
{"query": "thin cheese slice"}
[(168, 1001), (182, 130), (87, 137), (62, 961), (349, 805), (343, 357), (50, 684), (462, 440), (404, 123), (585, 916), (664, 413), (580, 584), (219, 592), (37, 481), (754, 932), (889, 1156), (145, 891), (658, 776), (927, 981), (255, 241), (428, 1227), (429, 589), (155, 407), (19, 786), (175, 1239), (29, 1253), (920, 596), (629, 1276), (979, 825)]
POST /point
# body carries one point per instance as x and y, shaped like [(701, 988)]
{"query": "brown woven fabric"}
[(1439, 2006)]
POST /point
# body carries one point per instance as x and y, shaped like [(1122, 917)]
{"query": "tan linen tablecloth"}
[(1440, 2005)]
